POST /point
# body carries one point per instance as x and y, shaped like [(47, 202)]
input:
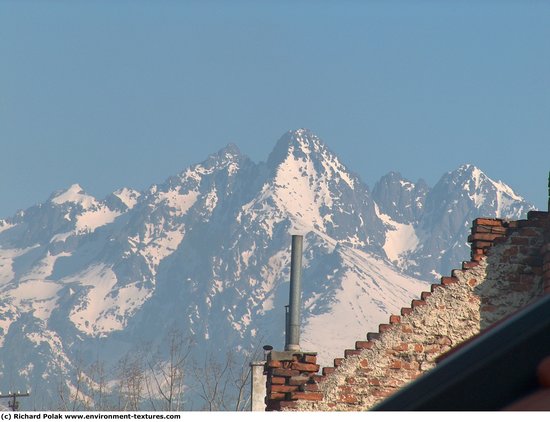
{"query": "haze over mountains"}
[(208, 251)]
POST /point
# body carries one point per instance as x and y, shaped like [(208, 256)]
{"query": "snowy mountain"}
[(208, 251), (428, 228)]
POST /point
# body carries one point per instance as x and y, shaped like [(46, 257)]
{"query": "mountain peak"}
[(467, 173), (492, 197), (73, 194), (476, 179), (470, 169), (230, 150), (227, 159), (129, 197), (392, 177), (304, 139), (302, 133), (302, 149), (226, 155), (467, 167), (400, 198), (300, 143)]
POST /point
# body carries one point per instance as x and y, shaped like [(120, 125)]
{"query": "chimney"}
[(292, 338)]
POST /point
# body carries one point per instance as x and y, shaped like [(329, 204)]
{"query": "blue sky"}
[(126, 93)]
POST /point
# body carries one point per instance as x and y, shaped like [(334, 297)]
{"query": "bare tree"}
[(224, 385), (72, 396), (160, 380), (165, 383), (240, 374), (131, 382), (211, 382), (98, 385)]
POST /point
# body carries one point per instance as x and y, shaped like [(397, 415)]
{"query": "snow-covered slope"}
[(366, 291), (208, 251)]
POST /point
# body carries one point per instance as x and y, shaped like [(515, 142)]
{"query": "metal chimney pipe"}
[(287, 326), (293, 326)]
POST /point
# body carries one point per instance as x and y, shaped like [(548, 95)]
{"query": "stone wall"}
[(509, 267)]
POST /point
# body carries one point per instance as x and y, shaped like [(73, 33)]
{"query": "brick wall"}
[(291, 376), (515, 263), (509, 267)]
